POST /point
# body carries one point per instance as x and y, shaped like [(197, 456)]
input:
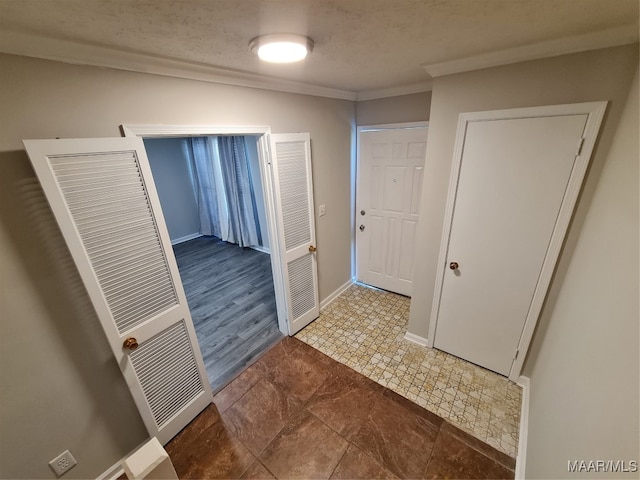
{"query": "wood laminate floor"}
[(232, 303)]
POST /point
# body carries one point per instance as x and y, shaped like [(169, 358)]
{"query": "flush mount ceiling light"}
[(281, 47)]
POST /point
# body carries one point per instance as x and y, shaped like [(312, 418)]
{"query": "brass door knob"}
[(130, 343), (312, 248), (453, 265)]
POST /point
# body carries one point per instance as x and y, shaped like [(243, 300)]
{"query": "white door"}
[(389, 184), (511, 189), (104, 199), (293, 193)]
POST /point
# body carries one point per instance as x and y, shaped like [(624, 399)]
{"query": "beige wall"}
[(586, 370), (583, 361), (400, 109), (597, 75), (60, 386)]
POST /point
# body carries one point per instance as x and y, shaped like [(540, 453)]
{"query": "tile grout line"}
[(376, 320), (435, 441)]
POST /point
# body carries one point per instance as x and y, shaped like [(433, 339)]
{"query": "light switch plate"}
[(322, 210)]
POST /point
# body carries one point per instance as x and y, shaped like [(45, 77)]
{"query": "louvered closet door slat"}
[(302, 285), (294, 193), (102, 194), (139, 219), (170, 356), (108, 242)]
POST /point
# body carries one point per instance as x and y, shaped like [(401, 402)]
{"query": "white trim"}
[(410, 89), (521, 459), (335, 294), (392, 126), (264, 157), (186, 238), (355, 147), (551, 48), (417, 339), (595, 112), (113, 472), (266, 174), (30, 45), (262, 249), (158, 131)]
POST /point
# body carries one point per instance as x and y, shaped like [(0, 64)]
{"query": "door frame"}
[(354, 211), (263, 133), (595, 113)]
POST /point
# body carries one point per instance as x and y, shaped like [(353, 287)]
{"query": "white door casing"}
[(389, 183), (288, 323), (514, 183), (103, 197), (293, 196)]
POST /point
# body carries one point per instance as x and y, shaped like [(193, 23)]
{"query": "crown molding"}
[(29, 45), (552, 48), (420, 87)]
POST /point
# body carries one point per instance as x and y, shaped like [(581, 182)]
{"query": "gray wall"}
[(172, 177), (584, 374), (400, 109), (591, 76), (60, 385)]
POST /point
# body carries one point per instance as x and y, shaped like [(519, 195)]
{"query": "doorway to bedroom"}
[(212, 198)]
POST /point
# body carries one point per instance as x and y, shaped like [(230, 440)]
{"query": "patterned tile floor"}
[(364, 328)]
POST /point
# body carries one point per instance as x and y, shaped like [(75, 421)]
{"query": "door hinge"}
[(580, 144), (517, 353)]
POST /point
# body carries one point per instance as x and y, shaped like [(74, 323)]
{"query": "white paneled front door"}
[(389, 185), (104, 199)]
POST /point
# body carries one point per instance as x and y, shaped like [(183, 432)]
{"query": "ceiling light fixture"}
[(281, 47)]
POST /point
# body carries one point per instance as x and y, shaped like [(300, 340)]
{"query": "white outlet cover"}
[(63, 463), (323, 210)]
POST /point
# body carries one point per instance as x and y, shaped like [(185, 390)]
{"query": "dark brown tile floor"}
[(297, 413)]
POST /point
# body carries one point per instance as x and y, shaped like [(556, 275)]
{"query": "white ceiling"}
[(361, 45)]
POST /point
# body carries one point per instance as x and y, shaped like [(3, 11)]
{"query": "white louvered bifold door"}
[(291, 158), (103, 197)]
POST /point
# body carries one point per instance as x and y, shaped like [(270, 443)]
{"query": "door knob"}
[(312, 248), (130, 343), (362, 228), (453, 265)]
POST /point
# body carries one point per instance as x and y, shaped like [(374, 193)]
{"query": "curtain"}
[(244, 228), (224, 190), (206, 187)]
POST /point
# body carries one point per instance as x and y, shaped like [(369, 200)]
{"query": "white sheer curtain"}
[(225, 193)]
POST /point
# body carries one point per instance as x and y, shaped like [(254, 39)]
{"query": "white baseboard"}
[(115, 470), (417, 339), (524, 428), (335, 294), (261, 249), (186, 238)]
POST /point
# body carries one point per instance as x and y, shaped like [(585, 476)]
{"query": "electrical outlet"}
[(323, 210), (62, 463)]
